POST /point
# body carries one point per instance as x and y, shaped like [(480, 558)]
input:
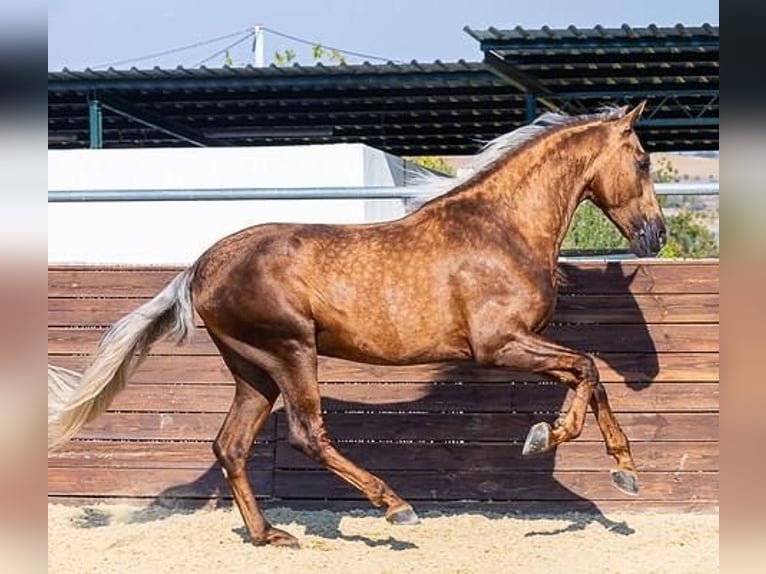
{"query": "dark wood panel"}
[(504, 485), (636, 338), (613, 367), (581, 277), (143, 482), (401, 426), (174, 397), (429, 397), (577, 455), (590, 338), (93, 311), (146, 454), (505, 427), (661, 308), (103, 281), (162, 426), (640, 277), (648, 321), (516, 397)]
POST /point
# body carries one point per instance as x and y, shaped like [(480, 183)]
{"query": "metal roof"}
[(401, 108), (676, 69), (406, 109)]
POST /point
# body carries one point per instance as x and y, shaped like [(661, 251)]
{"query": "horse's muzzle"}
[(648, 238)]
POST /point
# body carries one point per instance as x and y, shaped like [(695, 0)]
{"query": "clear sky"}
[(84, 33)]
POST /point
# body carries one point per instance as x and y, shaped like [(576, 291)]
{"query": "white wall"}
[(177, 232)]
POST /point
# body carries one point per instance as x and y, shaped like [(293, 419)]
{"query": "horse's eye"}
[(644, 163)]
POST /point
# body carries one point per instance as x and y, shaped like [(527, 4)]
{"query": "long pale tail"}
[(74, 400)]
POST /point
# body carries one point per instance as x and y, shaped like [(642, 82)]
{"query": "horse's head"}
[(622, 186)]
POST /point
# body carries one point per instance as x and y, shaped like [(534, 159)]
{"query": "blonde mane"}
[(502, 146)]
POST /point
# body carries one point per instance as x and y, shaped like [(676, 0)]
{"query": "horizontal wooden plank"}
[(429, 397), (659, 338), (163, 426), (506, 397), (501, 485), (617, 308), (173, 397), (146, 454), (161, 482), (582, 277), (504, 426), (105, 281), (640, 277), (589, 338), (401, 427), (613, 367), (576, 455), (93, 311)]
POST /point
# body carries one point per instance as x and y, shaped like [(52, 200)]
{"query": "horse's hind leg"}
[(253, 400), (531, 352)]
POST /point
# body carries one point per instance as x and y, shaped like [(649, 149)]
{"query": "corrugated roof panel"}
[(414, 108)]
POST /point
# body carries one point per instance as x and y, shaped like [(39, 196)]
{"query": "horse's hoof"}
[(403, 516), (538, 439), (625, 480), (277, 537)]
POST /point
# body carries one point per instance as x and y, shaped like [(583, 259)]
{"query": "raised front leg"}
[(530, 352)]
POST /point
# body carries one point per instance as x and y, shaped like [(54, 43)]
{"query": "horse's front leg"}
[(530, 352)]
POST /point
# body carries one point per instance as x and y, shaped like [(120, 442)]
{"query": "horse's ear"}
[(632, 116)]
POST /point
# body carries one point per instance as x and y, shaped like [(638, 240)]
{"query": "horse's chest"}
[(511, 298)]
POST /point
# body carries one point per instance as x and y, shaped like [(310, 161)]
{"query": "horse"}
[(470, 275)]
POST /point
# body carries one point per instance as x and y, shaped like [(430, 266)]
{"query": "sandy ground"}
[(123, 539)]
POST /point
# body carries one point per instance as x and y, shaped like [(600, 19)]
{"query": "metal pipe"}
[(229, 194), (99, 195), (530, 106), (688, 188), (95, 125)]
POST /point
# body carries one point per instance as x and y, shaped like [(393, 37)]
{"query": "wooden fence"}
[(442, 434)]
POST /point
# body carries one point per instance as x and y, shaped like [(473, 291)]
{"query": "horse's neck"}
[(539, 189)]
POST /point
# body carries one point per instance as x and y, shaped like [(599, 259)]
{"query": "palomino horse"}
[(470, 275)]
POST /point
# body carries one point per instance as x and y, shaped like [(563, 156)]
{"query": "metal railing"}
[(276, 193)]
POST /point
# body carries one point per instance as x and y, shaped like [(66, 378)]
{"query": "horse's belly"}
[(383, 348)]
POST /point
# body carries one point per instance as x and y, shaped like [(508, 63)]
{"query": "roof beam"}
[(130, 111), (522, 81)]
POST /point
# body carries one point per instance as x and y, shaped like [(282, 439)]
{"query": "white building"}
[(158, 232)]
